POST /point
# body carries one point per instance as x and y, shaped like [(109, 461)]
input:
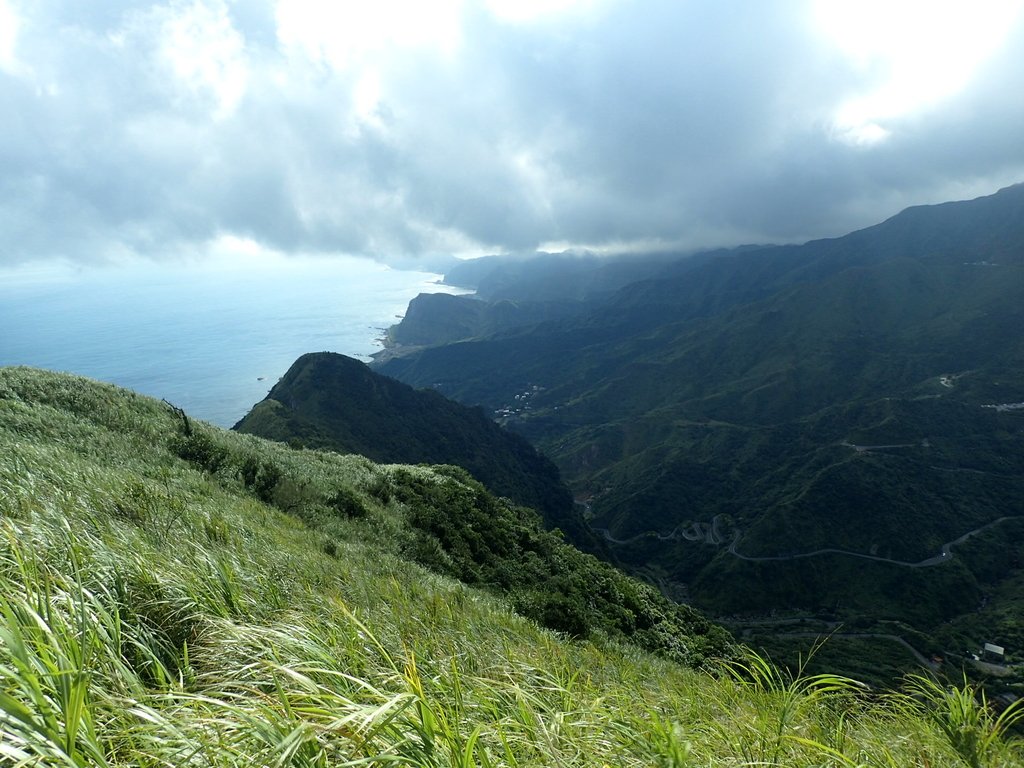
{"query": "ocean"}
[(210, 338)]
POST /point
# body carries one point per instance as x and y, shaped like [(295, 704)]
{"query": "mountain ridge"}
[(333, 402)]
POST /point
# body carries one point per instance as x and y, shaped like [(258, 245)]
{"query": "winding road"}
[(710, 534)]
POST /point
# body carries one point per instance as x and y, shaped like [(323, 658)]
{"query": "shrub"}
[(347, 503), (200, 449)]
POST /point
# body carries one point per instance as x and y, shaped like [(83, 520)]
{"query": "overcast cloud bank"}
[(410, 130)]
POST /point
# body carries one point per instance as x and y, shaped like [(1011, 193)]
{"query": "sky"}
[(408, 132)]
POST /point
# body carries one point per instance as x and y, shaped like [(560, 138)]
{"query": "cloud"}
[(9, 23), (408, 130)]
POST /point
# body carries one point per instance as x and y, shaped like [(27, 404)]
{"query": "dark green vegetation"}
[(173, 594), (333, 402), (794, 427), (465, 532)]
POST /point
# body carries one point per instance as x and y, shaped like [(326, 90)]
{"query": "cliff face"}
[(439, 318)]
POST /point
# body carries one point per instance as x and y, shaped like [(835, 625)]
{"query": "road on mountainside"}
[(709, 533), (863, 448), (705, 532), (660, 536), (944, 555)]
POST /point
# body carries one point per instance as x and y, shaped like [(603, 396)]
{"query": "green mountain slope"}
[(790, 427), (333, 402), (173, 594)]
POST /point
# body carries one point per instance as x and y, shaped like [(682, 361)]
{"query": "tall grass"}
[(964, 717), (152, 614)]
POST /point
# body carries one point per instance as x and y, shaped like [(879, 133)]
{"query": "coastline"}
[(391, 349)]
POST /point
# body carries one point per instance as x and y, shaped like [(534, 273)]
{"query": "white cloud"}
[(204, 53), (9, 25), (344, 33), (531, 11), (913, 55), (391, 129)]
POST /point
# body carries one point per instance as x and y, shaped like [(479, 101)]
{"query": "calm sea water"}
[(211, 339)]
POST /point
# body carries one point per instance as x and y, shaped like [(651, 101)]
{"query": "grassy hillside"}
[(159, 607)]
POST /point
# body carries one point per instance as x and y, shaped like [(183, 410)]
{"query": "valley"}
[(830, 427)]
